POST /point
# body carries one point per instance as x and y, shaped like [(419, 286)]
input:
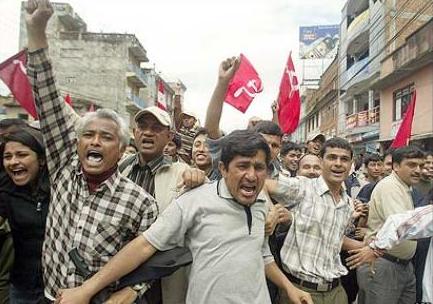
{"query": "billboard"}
[(318, 41)]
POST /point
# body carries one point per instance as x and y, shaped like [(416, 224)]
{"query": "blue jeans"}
[(23, 296)]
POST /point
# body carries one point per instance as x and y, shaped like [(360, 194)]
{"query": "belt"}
[(316, 286), (394, 259)]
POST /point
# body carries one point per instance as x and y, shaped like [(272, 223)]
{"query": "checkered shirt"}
[(98, 224), (313, 243)]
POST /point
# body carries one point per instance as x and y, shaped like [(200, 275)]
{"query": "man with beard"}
[(289, 155), (322, 212), (222, 223), (309, 166), (315, 143), (393, 279), (94, 210)]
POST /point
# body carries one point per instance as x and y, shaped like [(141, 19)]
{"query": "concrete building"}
[(9, 108), (370, 31), (100, 69), (408, 68)]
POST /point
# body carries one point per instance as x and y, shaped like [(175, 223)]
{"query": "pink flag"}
[(68, 100), (162, 104), (13, 73), (289, 101), (244, 86), (404, 131)]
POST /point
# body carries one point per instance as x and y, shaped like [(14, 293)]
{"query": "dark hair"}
[(177, 140), (268, 127), (387, 152), (336, 142), (428, 153), (12, 122), (244, 143), (406, 152), (289, 146), (27, 136), (372, 158), (201, 131)]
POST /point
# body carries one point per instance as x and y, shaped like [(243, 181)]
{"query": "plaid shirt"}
[(144, 174), (97, 224), (313, 243)]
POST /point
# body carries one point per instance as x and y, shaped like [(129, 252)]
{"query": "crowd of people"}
[(266, 220)]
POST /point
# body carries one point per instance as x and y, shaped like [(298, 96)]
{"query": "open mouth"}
[(248, 191), (337, 173), (19, 172), (94, 156), (147, 142)]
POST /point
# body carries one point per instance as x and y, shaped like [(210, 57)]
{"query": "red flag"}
[(244, 86), (289, 101), (404, 131), (162, 104), (13, 73), (68, 100)]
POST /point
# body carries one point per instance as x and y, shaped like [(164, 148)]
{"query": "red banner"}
[(404, 132)]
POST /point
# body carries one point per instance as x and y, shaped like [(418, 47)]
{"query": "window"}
[(401, 99)]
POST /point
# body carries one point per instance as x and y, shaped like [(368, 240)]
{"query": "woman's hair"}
[(27, 136)]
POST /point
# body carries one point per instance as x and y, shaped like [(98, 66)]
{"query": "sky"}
[(188, 39)]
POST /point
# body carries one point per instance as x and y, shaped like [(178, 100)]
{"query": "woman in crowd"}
[(24, 199)]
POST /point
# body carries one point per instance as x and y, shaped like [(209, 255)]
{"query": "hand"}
[(227, 69), (38, 14), (76, 295), (361, 256), (124, 296), (284, 215), (192, 178), (361, 210), (271, 220), (360, 233), (297, 296)]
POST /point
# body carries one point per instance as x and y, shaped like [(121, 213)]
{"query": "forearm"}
[(276, 276), (350, 244), (177, 110), (130, 257), (214, 110), (36, 39)]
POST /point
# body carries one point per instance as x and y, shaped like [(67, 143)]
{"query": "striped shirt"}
[(311, 250), (98, 224), (143, 174)]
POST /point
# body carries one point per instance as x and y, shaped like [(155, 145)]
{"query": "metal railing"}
[(363, 118), (138, 72)]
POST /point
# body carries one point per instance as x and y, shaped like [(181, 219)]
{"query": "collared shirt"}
[(144, 174), (98, 224), (390, 196), (311, 250), (413, 224), (229, 254)]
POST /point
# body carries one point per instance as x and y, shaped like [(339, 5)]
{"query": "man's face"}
[(291, 159), (151, 137), (309, 166), (274, 143), (409, 170), (314, 146), (245, 177), (375, 170), (170, 149), (336, 165), (188, 121), (200, 153), (99, 146), (387, 165), (427, 171)]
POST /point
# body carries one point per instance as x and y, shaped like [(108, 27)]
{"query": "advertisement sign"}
[(319, 41)]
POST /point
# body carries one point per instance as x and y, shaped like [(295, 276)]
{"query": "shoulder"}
[(202, 193)]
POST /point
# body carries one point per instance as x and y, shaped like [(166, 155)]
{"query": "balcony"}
[(363, 118), (137, 101), (136, 76), (360, 25), (358, 72)]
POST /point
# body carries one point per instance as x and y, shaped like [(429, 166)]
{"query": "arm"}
[(177, 110), (213, 114), (349, 244), (130, 257), (285, 190), (295, 295), (274, 108), (57, 130)]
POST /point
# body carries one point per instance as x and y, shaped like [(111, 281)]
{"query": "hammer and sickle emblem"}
[(20, 65), (250, 85)]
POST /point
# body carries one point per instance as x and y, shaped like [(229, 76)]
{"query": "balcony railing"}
[(348, 78), (358, 25), (140, 103), (363, 118), (138, 73)]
